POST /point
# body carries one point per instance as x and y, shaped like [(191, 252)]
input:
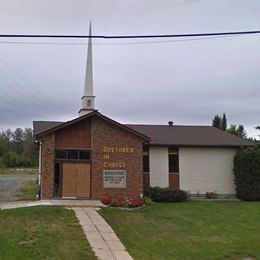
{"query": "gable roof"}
[(42, 128), (189, 136), (176, 135)]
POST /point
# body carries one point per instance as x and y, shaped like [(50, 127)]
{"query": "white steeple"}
[(88, 98)]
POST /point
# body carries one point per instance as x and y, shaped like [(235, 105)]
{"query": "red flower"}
[(134, 203), (106, 200), (118, 202)]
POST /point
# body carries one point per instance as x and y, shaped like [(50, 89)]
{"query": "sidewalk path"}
[(64, 203), (101, 236)]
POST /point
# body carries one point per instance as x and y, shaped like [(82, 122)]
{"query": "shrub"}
[(106, 200), (121, 202), (247, 173), (10, 159), (211, 195), (167, 194), (2, 164), (134, 203), (118, 202)]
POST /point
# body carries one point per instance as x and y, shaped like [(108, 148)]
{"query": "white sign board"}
[(114, 178)]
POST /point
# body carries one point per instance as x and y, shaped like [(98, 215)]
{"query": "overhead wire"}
[(115, 43), (190, 37), (73, 36)]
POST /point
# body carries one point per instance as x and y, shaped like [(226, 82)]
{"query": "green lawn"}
[(28, 191), (42, 233), (192, 230)]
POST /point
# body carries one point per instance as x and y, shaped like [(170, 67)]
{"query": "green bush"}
[(247, 173), (2, 164), (10, 159), (211, 195), (167, 194)]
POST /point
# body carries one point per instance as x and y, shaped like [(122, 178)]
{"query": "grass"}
[(27, 191), (18, 171), (42, 233), (192, 230)]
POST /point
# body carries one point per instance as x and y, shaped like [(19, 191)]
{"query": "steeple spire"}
[(88, 98)]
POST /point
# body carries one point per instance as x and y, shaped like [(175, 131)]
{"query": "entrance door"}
[(75, 180)]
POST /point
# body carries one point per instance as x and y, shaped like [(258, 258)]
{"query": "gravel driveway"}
[(10, 183)]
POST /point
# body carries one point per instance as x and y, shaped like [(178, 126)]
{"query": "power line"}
[(115, 43), (127, 36)]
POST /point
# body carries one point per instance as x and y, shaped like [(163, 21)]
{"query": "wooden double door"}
[(75, 180)]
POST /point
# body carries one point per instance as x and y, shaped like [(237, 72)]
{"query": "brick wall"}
[(109, 135), (103, 134), (47, 176)]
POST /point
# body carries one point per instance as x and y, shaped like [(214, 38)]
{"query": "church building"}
[(93, 155)]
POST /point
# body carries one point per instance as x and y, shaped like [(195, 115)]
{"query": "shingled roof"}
[(42, 126), (177, 135), (180, 135)]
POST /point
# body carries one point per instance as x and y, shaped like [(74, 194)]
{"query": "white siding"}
[(159, 167), (207, 170)]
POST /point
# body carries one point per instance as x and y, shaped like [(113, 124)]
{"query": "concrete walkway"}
[(64, 203), (101, 236)]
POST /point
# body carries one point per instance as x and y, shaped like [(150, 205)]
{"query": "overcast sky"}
[(187, 82)]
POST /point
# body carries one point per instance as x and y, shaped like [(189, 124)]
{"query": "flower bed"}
[(123, 202)]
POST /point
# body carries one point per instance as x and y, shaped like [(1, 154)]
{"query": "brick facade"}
[(108, 135), (47, 175), (97, 133)]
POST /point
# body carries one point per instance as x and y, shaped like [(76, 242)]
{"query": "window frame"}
[(173, 151), (73, 159), (146, 152)]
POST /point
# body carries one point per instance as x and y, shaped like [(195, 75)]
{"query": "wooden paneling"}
[(76, 136), (76, 180), (174, 180), (83, 180), (69, 180)]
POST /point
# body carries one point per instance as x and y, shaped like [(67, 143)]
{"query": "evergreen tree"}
[(217, 122), (242, 131), (224, 122)]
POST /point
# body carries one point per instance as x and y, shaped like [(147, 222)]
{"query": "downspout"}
[(38, 195)]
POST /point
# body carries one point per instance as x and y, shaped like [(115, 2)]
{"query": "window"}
[(89, 103), (84, 155), (173, 160), (61, 154), (72, 154), (146, 167)]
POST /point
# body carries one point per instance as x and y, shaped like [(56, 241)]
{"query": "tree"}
[(18, 136), (4, 143), (217, 122), (224, 122), (220, 122), (17, 148), (237, 130), (28, 142), (242, 131), (258, 128), (247, 175)]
